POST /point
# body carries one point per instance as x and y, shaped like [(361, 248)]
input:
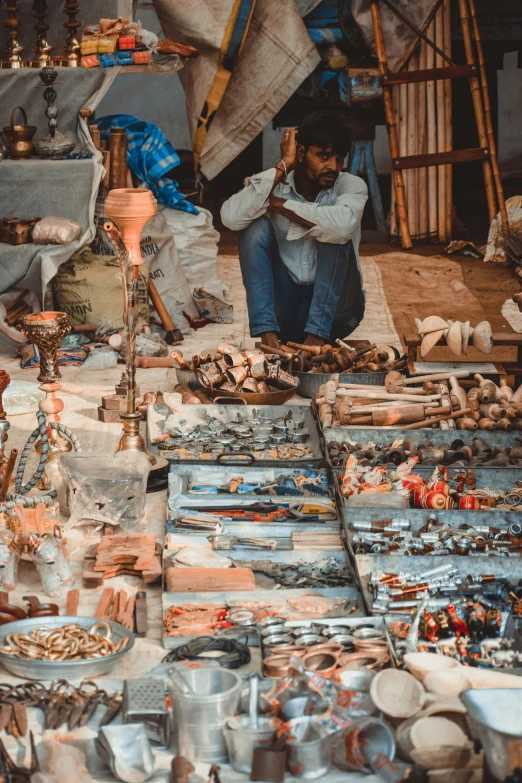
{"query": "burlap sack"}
[(88, 289)]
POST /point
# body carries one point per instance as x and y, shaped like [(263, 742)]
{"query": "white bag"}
[(160, 253), (197, 242)]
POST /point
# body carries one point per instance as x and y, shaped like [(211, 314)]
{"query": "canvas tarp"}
[(398, 37), (277, 56), (44, 188)]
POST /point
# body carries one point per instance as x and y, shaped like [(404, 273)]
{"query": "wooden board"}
[(204, 580)]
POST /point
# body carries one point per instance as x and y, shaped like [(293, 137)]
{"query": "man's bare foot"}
[(270, 338), (312, 339)]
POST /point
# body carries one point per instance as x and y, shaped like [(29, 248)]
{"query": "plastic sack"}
[(56, 231), (494, 248), (200, 557), (151, 345), (101, 359), (105, 490), (196, 240)]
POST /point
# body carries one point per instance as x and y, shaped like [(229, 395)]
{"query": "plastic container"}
[(127, 42), (89, 45), (141, 58), (106, 45)]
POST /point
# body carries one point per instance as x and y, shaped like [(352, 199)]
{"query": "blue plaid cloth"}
[(150, 156)]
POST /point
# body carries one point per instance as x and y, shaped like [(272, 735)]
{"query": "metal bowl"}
[(52, 670), (188, 378), (309, 382), (254, 398)]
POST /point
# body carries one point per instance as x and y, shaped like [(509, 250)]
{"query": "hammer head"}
[(174, 337)]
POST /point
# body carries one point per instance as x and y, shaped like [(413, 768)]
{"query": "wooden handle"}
[(157, 301), (180, 770), (438, 376), (84, 328), (428, 422), (398, 415), (371, 395), (71, 606), (102, 610), (155, 361)]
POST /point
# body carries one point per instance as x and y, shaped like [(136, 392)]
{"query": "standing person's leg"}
[(337, 305), (275, 302)]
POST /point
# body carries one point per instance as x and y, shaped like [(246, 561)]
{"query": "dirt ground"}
[(489, 284)]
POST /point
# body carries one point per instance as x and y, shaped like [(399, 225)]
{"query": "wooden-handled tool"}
[(395, 381), (155, 361), (174, 335), (436, 419)]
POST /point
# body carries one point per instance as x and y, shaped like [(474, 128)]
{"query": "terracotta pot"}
[(131, 209)]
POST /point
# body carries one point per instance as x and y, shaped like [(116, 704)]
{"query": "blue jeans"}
[(332, 306)]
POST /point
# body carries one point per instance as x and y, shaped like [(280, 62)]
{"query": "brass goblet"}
[(47, 330)]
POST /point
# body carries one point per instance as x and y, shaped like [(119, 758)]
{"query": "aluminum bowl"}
[(70, 670), (188, 378), (309, 382)]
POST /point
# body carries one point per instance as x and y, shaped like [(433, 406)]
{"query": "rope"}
[(41, 434)]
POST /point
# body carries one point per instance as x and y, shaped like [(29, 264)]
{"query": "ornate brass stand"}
[(47, 330), (131, 439), (14, 48), (72, 46), (42, 48)]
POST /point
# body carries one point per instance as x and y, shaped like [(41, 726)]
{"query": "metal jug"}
[(496, 716), (19, 137)]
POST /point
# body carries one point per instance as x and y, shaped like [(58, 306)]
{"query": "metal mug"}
[(311, 758), (19, 137), (258, 366), (236, 374)]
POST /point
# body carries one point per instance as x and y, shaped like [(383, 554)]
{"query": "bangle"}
[(284, 166)]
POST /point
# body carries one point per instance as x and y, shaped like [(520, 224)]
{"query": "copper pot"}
[(19, 137)]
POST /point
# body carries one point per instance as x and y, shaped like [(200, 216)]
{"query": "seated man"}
[(300, 226)]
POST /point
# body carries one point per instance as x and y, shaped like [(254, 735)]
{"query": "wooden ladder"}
[(476, 74)]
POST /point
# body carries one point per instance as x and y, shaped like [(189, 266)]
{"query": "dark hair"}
[(326, 129)]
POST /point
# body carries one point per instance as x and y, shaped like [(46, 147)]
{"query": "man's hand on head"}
[(289, 148)]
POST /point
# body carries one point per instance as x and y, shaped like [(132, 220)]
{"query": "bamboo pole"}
[(441, 129), (446, 8), (394, 228), (489, 123), (422, 146), (476, 94), (398, 181), (411, 148), (431, 140)]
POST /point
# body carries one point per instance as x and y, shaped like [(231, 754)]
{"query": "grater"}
[(144, 702)]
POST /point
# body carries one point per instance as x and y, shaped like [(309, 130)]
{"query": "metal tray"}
[(257, 529), (179, 475), (509, 568), (229, 414), (283, 554), (387, 435), (349, 594), (492, 478), (418, 518), (71, 670)]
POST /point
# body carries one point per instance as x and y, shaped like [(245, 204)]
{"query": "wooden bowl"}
[(422, 663), (397, 693)]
